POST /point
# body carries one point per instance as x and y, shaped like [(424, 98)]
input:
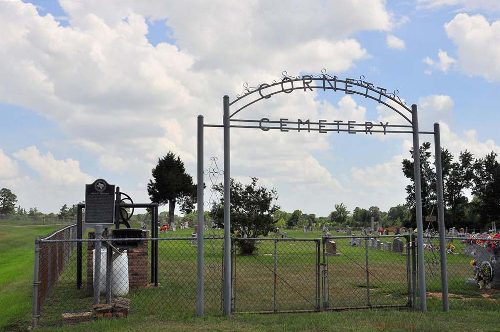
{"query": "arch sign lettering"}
[(232, 111)]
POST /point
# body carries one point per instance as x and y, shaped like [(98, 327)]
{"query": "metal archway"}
[(323, 81)]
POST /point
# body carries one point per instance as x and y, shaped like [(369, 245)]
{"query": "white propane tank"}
[(119, 274)]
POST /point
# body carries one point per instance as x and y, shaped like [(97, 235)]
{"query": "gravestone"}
[(397, 245), (331, 247), (354, 242), (379, 244), (373, 243)]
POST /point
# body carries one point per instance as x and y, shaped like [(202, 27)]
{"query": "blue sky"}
[(92, 89)]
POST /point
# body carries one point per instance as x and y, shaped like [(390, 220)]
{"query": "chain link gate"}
[(332, 273), (282, 275), (368, 272)]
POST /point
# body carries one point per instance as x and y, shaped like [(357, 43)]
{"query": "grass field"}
[(171, 305), (16, 272)]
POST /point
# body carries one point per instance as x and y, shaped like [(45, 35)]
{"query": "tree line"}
[(471, 188), (471, 198)]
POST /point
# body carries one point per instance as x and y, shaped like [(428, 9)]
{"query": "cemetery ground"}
[(154, 309), (16, 271)]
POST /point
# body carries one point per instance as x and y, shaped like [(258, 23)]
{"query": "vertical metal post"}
[(326, 285), (413, 270), (79, 235), (418, 207), (408, 271), (152, 235), (200, 294), (227, 211), (35, 314), (318, 275), (97, 264), (155, 244), (118, 198), (275, 274), (368, 299), (440, 209), (109, 268)]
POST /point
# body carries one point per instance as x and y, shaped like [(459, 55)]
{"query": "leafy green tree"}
[(398, 215), (375, 213), (171, 185), (8, 201), (20, 211), (487, 188), (457, 177), (294, 219), (63, 212), (361, 217), (428, 183), (340, 215), (280, 218), (310, 219), (252, 210)]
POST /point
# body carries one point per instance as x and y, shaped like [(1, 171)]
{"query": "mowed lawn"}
[(156, 309), (16, 272)]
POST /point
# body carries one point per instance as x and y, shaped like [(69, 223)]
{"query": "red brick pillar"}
[(138, 265)]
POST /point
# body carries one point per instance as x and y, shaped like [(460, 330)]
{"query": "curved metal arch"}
[(339, 84)]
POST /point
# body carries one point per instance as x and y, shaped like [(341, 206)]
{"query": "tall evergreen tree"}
[(8, 201), (171, 185)]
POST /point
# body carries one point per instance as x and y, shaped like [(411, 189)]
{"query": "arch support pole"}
[(227, 214), (440, 210), (200, 293), (418, 206)]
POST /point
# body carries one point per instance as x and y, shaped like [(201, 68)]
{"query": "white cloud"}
[(477, 43), (468, 140), (385, 179), (443, 62), (57, 172), (434, 108), (463, 5), (127, 102), (395, 42), (8, 167)]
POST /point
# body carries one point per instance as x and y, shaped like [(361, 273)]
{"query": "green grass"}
[(171, 306), (474, 316), (16, 272)]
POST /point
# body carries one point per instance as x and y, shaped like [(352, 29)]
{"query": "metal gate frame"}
[(411, 273), (275, 302)]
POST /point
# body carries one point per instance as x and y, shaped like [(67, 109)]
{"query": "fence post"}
[(227, 210), (442, 228), (36, 282), (413, 270), (275, 274), (318, 275), (408, 272), (325, 284), (79, 235), (200, 293), (97, 264), (368, 300), (109, 268)]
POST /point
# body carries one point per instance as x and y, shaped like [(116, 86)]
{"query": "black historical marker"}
[(99, 203)]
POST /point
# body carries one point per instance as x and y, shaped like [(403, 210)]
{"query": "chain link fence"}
[(62, 296), (280, 274), (366, 271), (51, 261), (473, 266)]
